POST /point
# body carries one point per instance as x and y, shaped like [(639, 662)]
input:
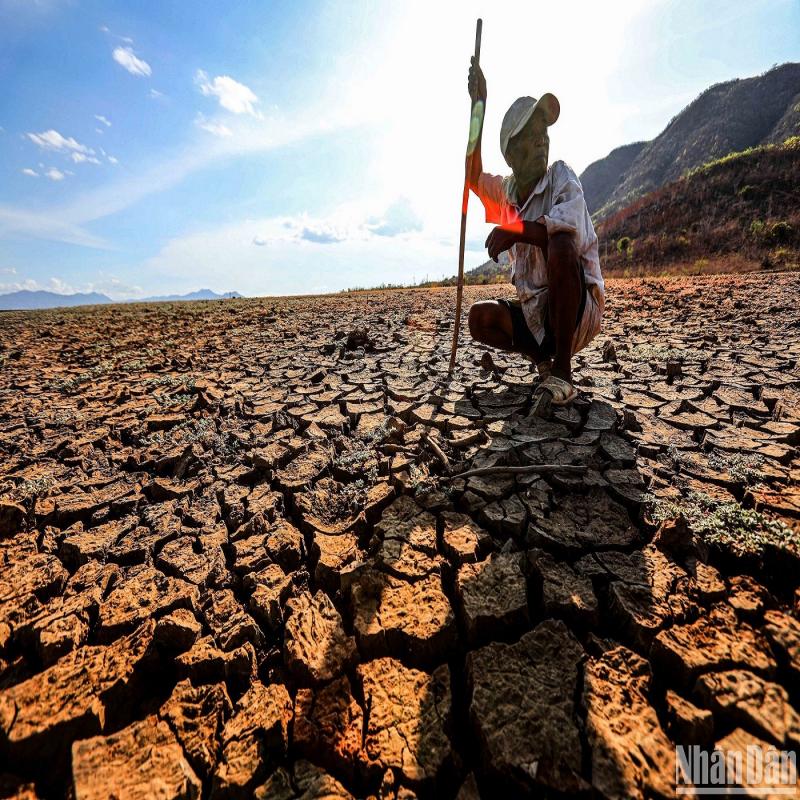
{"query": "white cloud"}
[(156, 95), (55, 174), (55, 285), (80, 158), (112, 160), (232, 95), (256, 251), (214, 127), (8, 271), (126, 58), (322, 234), (398, 218), (101, 118), (32, 172), (53, 140)]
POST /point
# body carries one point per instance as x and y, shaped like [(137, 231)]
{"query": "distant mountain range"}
[(202, 294), (727, 117), (26, 300)]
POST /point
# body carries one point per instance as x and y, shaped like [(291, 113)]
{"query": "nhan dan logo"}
[(755, 771)]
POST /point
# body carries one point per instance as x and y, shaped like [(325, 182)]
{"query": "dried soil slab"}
[(602, 417), (206, 663), (255, 737), (41, 574), (651, 589), (783, 633), (688, 724), (492, 596), (177, 631), (197, 715), (189, 559), (405, 540), (331, 554), (144, 592), (143, 761), (329, 725), (409, 714), (463, 540), (522, 709), (42, 715), (631, 755), (750, 701), (331, 507), (396, 617), (581, 523), (81, 505), (12, 516), (308, 782), (230, 624), (316, 648), (741, 742), (717, 641), (564, 593), (304, 469), (80, 546), (270, 587), (62, 625)]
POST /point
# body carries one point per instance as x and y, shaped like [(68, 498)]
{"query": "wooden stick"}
[(464, 203), (440, 454), (571, 469)]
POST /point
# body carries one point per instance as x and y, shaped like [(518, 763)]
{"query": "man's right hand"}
[(476, 83)]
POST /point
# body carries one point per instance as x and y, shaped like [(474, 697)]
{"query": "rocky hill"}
[(737, 212), (727, 117), (600, 178)]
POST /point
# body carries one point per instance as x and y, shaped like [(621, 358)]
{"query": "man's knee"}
[(480, 317)]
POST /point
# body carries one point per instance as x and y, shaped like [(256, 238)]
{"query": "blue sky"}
[(283, 148)]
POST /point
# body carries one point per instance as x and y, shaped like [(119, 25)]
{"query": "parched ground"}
[(233, 562)]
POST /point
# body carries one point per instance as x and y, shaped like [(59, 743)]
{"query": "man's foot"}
[(563, 392), (545, 368)]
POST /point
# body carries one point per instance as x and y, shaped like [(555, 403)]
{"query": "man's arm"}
[(476, 83), (502, 237)]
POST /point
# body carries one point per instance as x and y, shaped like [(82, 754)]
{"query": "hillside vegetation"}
[(742, 209), (727, 117)]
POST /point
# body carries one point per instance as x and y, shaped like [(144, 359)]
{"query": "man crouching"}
[(543, 222)]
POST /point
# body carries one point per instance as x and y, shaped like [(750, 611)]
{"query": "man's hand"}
[(501, 239), (476, 83)]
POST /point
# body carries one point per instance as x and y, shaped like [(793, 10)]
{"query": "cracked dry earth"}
[(232, 564)]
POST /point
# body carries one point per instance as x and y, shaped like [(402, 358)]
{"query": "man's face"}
[(527, 152)]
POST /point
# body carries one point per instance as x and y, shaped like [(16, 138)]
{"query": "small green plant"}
[(35, 487), (780, 232), (742, 468), (757, 230), (727, 524), (623, 245)]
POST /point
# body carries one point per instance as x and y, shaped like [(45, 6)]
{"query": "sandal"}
[(563, 392)]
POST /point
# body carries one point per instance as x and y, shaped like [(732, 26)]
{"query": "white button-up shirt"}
[(557, 202)]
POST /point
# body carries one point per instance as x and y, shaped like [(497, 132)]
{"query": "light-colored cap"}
[(522, 110)]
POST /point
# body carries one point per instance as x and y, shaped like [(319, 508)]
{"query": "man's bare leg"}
[(490, 323), (564, 298)]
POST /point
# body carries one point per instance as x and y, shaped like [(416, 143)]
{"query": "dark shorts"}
[(523, 338)]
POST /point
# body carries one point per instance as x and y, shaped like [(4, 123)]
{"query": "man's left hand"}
[(500, 240)]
